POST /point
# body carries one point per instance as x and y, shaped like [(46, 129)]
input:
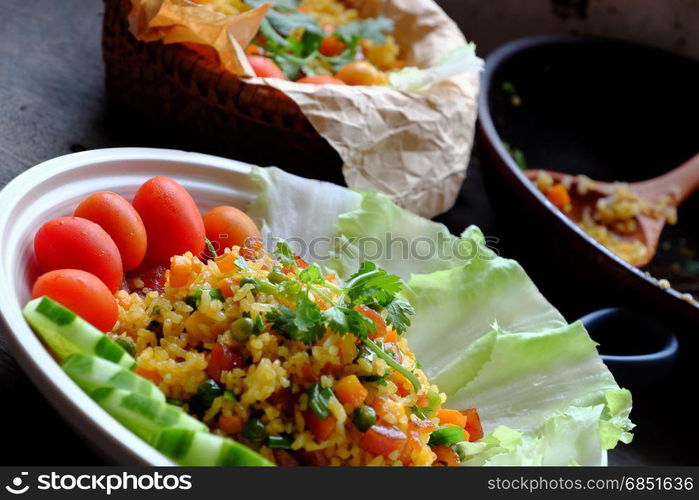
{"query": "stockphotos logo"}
[(107, 483), (17, 486)]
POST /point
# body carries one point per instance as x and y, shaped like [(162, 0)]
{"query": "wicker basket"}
[(172, 86)]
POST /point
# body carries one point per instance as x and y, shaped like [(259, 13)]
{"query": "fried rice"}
[(175, 341)]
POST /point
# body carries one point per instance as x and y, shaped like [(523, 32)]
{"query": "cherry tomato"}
[(77, 243), (121, 221), (81, 292), (321, 80), (361, 73), (265, 67), (332, 46), (172, 220), (228, 226)]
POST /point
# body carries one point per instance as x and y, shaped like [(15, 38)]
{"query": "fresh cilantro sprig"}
[(370, 286), (292, 38), (284, 254), (304, 323)]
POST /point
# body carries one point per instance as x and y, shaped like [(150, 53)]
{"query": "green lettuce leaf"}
[(482, 330), (455, 62)]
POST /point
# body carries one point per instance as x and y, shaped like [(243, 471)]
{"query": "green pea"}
[(242, 328), (364, 417), (254, 430), (208, 391), (277, 277), (127, 345)]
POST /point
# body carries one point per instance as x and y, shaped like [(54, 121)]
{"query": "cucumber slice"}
[(91, 372), (193, 448), (67, 333), (144, 416)]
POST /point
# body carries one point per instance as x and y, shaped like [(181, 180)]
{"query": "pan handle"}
[(639, 350)]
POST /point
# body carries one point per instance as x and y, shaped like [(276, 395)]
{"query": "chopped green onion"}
[(318, 398), (254, 430), (282, 442), (392, 363), (210, 248), (259, 324), (247, 280), (446, 436), (228, 396)]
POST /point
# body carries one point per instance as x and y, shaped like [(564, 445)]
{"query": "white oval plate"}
[(53, 189)]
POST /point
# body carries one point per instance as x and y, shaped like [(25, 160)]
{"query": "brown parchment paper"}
[(413, 147)]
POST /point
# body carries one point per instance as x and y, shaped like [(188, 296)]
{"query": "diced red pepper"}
[(473, 424), (321, 429), (223, 358), (380, 440)]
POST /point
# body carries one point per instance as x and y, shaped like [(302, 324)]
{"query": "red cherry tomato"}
[(81, 292), (321, 80), (265, 67), (76, 243), (121, 221), (228, 226), (172, 220)]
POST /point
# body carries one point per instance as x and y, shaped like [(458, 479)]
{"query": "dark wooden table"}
[(53, 102)]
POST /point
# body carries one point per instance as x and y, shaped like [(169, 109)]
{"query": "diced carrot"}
[(180, 270), (225, 287), (375, 317), (350, 391), (226, 262), (321, 429), (381, 405), (558, 195), (446, 457), (300, 262), (254, 50), (307, 373), (230, 424), (452, 417), (391, 336), (151, 375), (403, 385), (412, 444), (223, 357), (473, 424), (380, 440)]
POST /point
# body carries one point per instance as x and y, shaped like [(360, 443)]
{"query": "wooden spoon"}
[(677, 185)]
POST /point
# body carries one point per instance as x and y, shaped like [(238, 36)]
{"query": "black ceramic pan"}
[(608, 109)]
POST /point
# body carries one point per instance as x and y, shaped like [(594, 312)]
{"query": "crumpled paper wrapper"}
[(413, 147)]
